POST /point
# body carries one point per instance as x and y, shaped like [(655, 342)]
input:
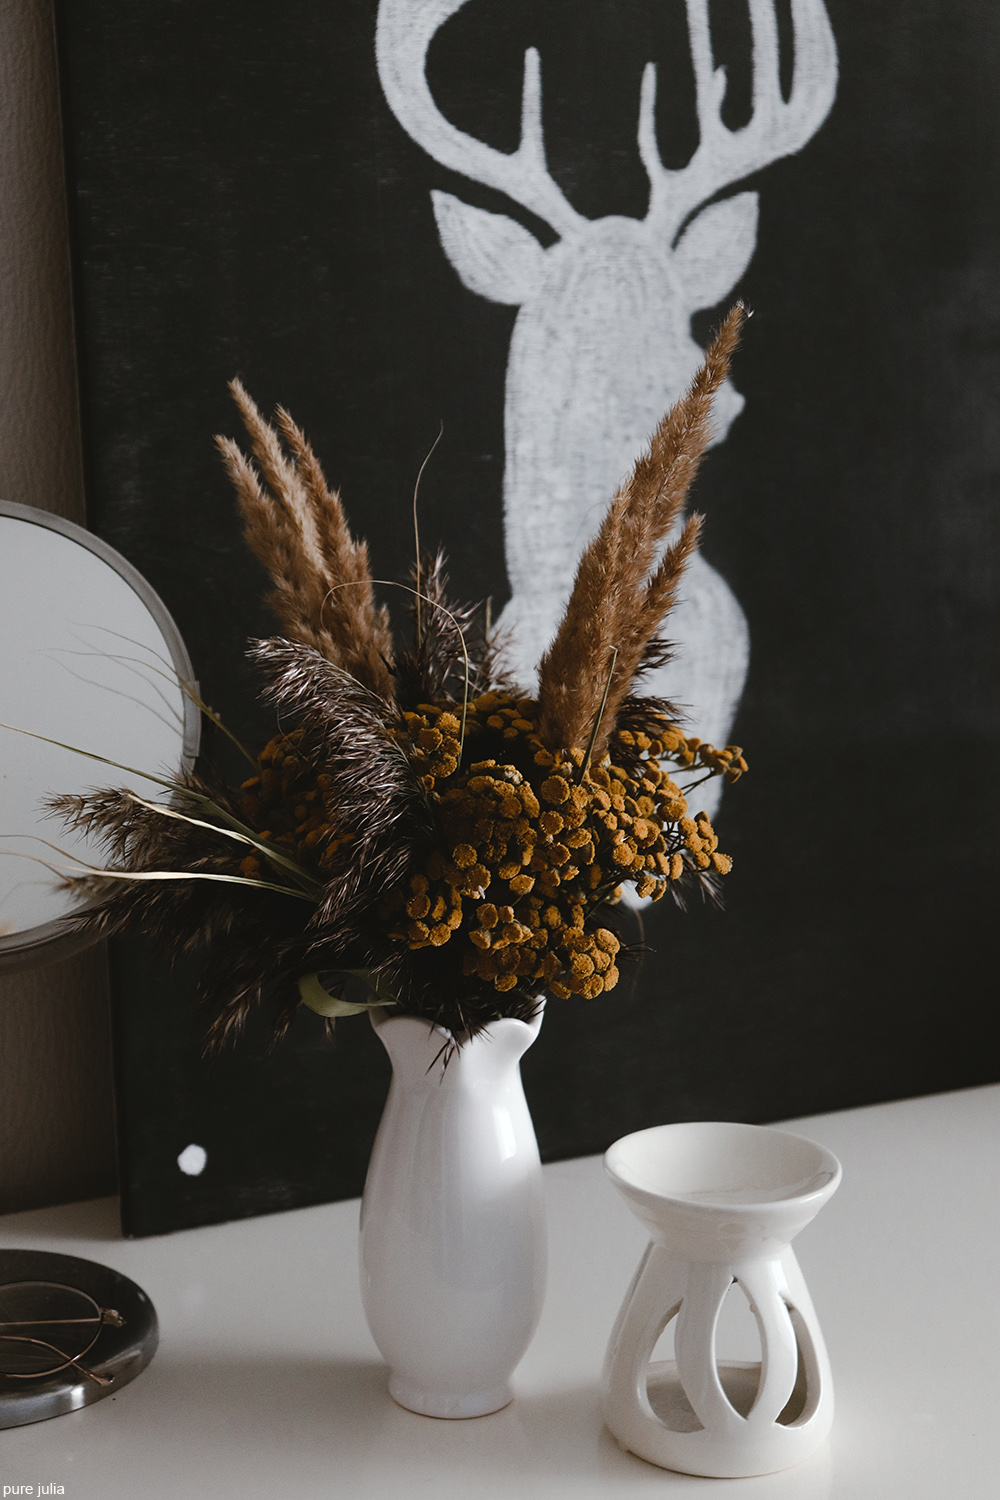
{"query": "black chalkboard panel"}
[(245, 200)]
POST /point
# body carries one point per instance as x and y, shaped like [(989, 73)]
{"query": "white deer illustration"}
[(602, 344)]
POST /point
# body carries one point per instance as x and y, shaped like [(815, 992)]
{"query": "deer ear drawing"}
[(494, 256), (715, 248)]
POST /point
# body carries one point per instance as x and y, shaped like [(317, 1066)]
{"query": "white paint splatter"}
[(192, 1160)]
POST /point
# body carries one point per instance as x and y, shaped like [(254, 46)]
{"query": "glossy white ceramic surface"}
[(452, 1220), (722, 1202)]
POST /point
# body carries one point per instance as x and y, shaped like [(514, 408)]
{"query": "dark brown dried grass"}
[(446, 637), (374, 794)]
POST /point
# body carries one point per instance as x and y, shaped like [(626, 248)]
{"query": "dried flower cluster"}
[(529, 847), (419, 825)]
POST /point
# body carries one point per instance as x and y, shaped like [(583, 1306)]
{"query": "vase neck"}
[(425, 1054)]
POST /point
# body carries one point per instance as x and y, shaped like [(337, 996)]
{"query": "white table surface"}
[(267, 1383)]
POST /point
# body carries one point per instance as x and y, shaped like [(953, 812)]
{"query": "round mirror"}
[(90, 660)]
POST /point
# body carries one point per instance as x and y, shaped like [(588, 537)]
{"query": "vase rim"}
[(383, 1015)]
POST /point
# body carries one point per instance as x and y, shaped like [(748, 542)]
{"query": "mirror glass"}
[(90, 657)]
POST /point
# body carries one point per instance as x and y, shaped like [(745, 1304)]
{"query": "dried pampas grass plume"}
[(619, 599), (296, 526)]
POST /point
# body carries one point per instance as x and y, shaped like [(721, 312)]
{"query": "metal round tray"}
[(122, 1348)]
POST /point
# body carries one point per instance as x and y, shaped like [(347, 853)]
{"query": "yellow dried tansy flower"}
[(532, 820), (555, 789), (486, 966), (529, 801)]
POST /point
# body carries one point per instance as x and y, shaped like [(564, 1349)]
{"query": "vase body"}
[(453, 1245), (722, 1203)]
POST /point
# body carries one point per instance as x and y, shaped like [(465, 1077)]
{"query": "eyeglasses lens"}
[(44, 1327)]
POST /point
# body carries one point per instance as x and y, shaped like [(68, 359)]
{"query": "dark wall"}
[(246, 203)]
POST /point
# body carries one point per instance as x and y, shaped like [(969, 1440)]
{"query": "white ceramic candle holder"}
[(723, 1203)]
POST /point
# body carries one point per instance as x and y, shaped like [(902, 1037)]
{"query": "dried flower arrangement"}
[(419, 832)]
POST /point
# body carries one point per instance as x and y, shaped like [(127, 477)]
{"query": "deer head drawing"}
[(602, 344)]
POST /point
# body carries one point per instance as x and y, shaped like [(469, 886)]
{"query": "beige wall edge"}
[(56, 1113)]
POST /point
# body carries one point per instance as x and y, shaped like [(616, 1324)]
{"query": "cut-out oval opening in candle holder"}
[(722, 1203)]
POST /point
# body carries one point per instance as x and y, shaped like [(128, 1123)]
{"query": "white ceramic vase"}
[(722, 1203), (453, 1242)]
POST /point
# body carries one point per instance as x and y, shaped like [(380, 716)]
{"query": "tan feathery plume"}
[(295, 524), (615, 604), (342, 555)]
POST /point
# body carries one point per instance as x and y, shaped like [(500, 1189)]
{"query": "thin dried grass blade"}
[(77, 867), (274, 855)]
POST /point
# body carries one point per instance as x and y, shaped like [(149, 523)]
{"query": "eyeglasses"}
[(32, 1313)]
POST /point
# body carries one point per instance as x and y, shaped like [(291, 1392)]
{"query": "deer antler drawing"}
[(602, 344)]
